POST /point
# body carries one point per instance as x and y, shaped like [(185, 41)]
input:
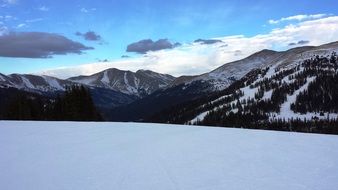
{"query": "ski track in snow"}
[(27, 83), (248, 93), (200, 117), (2, 78), (105, 78), (130, 156), (53, 83), (130, 89), (87, 81), (287, 113)]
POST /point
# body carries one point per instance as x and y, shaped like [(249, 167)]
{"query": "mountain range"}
[(141, 83), (142, 95)]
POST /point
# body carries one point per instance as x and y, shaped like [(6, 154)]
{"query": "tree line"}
[(75, 104)]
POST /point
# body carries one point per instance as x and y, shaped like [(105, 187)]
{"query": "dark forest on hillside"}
[(75, 104)]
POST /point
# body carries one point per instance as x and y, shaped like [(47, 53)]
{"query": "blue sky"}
[(120, 23)]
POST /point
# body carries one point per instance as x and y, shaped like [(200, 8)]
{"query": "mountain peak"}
[(264, 52), (140, 83)]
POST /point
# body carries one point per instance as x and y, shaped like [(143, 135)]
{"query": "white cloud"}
[(7, 17), (34, 20), (6, 3), (191, 59), (84, 10), (3, 30), (43, 8), (21, 25), (297, 18), (10, 1)]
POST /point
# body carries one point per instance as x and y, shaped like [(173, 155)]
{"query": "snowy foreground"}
[(124, 156)]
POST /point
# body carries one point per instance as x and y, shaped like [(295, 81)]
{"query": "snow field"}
[(130, 156)]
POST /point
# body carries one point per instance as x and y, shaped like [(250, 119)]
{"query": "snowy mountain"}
[(109, 88), (50, 87), (220, 78), (140, 83), (144, 82), (225, 75), (33, 83), (298, 94), (130, 156), (187, 89)]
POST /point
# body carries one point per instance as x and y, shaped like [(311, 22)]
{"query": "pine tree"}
[(23, 107), (75, 105)]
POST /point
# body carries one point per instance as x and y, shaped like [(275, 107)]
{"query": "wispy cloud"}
[(87, 10), (10, 1), (34, 20), (43, 8), (297, 18), (3, 30), (84, 10), (22, 25), (196, 58), (6, 3), (7, 17)]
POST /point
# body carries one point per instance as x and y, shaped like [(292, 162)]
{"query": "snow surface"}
[(126, 81), (105, 78), (2, 78), (129, 89), (248, 93), (53, 83), (199, 117), (86, 80), (267, 95), (287, 113), (27, 83), (285, 110), (130, 156)]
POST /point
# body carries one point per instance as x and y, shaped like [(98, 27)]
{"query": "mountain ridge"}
[(220, 77), (238, 69), (147, 92), (139, 83)]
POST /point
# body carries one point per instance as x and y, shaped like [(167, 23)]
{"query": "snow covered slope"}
[(33, 83), (225, 75), (130, 156), (141, 83), (292, 79), (50, 87)]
